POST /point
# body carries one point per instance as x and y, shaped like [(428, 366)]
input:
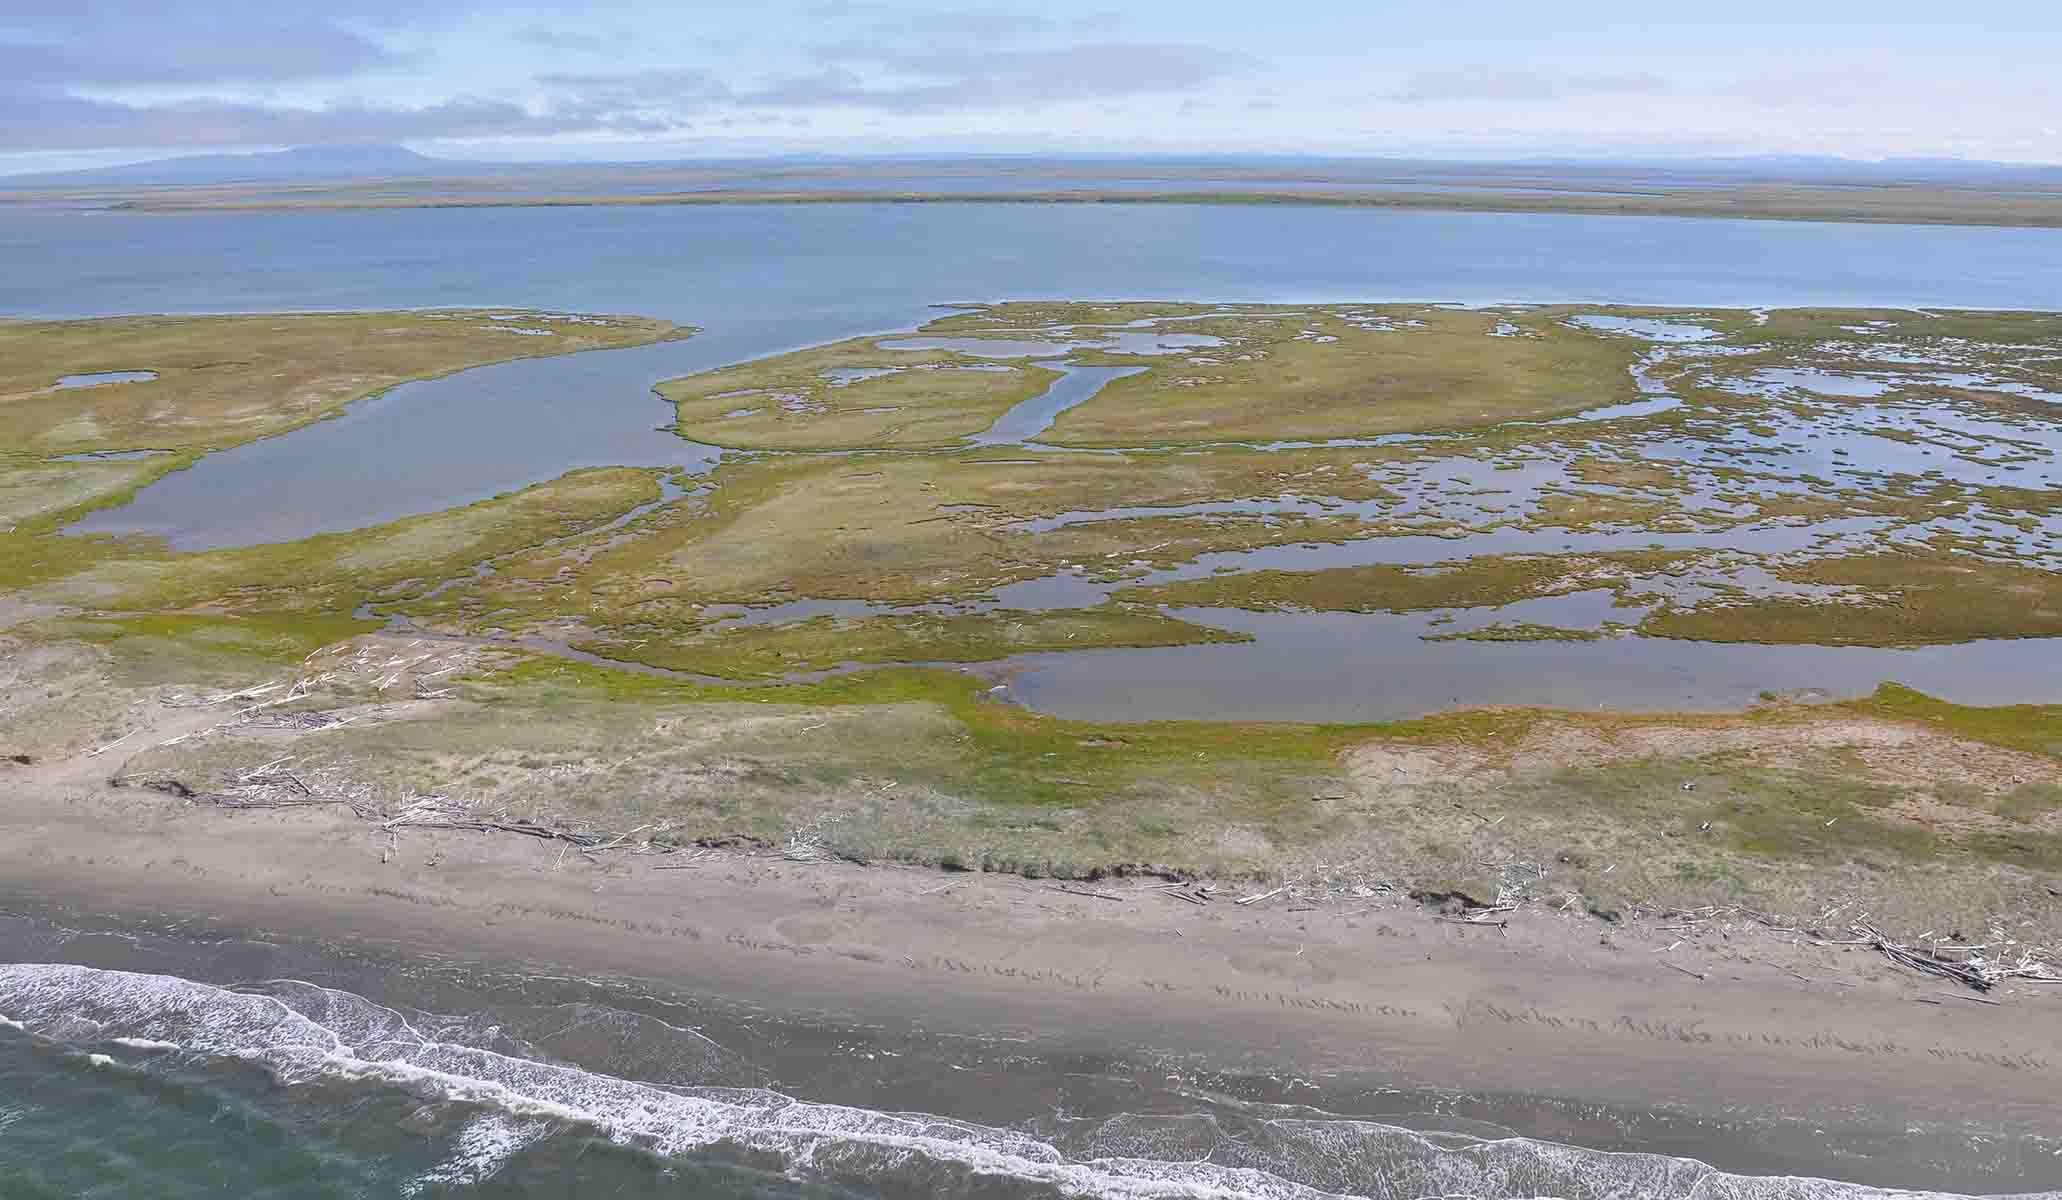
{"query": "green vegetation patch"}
[(1326, 375), (205, 646), (900, 529), (226, 380), (325, 578), (37, 494), (1490, 581), (851, 394), (1888, 600), (758, 651), (1209, 373), (994, 752), (2035, 728), (1757, 810)]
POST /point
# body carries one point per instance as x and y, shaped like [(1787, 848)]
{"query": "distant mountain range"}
[(300, 164), (318, 164)]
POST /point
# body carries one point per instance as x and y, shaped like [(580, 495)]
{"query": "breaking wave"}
[(691, 1097)]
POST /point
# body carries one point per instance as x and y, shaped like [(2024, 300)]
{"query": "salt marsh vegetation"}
[(1472, 480)]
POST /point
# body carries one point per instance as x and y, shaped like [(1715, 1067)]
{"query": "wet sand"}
[(1559, 1005)]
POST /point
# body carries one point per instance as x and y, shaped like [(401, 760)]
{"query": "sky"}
[(85, 82)]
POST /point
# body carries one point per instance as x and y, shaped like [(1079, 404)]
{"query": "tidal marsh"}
[(1475, 482)]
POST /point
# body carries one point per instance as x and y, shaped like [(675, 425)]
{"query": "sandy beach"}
[(1730, 1018)]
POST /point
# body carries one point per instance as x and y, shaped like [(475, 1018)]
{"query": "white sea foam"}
[(136, 1043), (304, 1033), (483, 1146)]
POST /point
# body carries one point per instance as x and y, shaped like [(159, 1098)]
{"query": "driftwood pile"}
[(1974, 968), (275, 785), (1977, 966), (441, 812), (270, 785)]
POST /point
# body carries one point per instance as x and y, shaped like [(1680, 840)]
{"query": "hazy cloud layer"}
[(72, 123), (936, 81), (1002, 78), (277, 52), (124, 42), (108, 72), (70, 72), (893, 24), (1506, 84), (602, 96), (573, 41), (1495, 77)]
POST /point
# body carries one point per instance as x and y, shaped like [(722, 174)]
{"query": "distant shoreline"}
[(1887, 205)]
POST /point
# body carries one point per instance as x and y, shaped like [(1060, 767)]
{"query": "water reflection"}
[(1377, 666), (103, 378)]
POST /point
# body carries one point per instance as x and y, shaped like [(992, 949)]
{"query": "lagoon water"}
[(827, 271)]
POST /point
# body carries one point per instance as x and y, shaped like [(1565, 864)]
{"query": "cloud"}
[(897, 59), (85, 73), (630, 102), (65, 66), (985, 24), (569, 41), (1841, 87), (125, 43), (1522, 84), (1037, 76), (69, 122), (600, 93), (903, 81), (132, 56)]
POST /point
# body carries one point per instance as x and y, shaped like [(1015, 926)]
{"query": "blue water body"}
[(103, 378), (861, 266), (1025, 421)]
